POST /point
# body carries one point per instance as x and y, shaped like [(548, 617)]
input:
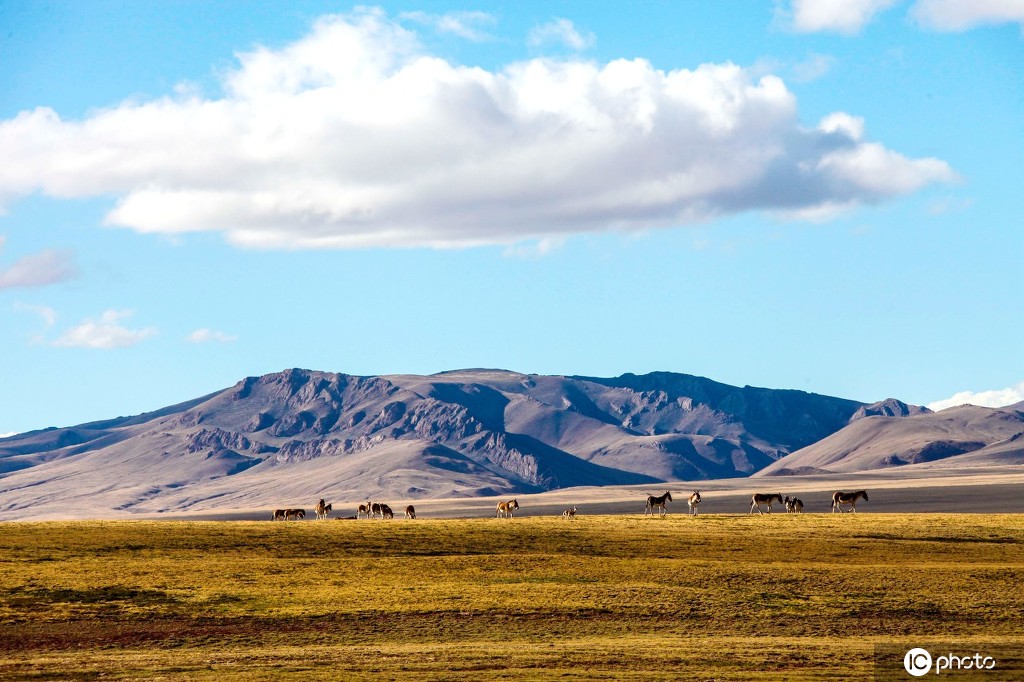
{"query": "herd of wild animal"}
[(506, 510)]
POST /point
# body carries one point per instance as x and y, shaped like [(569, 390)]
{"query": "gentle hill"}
[(956, 437)]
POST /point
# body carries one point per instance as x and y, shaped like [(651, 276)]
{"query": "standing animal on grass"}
[(657, 503), (323, 509), (363, 512), (849, 499), (385, 512), (375, 509), (570, 513), (506, 510), (693, 502), (279, 514), (290, 514), (757, 499), (794, 504), (410, 512)]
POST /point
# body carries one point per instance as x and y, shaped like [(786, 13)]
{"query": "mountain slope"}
[(955, 437), (462, 433)]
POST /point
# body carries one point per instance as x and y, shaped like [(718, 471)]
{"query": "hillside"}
[(953, 438), (298, 434)]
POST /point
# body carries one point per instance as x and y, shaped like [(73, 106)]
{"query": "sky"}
[(819, 195)]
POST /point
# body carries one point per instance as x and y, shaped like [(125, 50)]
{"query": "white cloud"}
[(560, 32), (8, 434), (210, 336), (38, 269), (45, 313), (961, 15), (469, 25), (812, 68), (995, 398), (841, 16), (105, 333), (353, 137)]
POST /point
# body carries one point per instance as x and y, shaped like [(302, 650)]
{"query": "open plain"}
[(718, 596)]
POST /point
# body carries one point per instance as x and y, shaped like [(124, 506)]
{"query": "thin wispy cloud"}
[(473, 26), (851, 16), (354, 137), (560, 32), (210, 336), (37, 270), (1000, 397), (46, 314), (959, 15), (106, 333)]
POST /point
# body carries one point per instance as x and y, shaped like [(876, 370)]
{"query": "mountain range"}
[(298, 435)]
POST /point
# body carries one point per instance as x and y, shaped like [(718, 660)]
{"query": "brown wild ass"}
[(506, 510), (570, 513), (323, 509), (363, 511), (290, 514), (839, 499), (793, 504), (659, 503), (385, 512), (757, 499), (410, 512), (375, 509), (278, 515), (693, 502)]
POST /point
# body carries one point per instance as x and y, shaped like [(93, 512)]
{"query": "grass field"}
[(605, 597)]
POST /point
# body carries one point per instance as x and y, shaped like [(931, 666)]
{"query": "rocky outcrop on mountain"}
[(454, 433), (889, 407)]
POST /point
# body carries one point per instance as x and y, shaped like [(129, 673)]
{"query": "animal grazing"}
[(410, 512), (793, 504), (506, 510), (839, 499), (278, 514), (570, 513), (323, 509), (290, 514), (385, 512), (693, 502), (658, 502), (766, 499)]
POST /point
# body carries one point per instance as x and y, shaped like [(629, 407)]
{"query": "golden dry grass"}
[(716, 597)]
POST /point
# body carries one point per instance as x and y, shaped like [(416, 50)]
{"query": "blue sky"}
[(811, 195)]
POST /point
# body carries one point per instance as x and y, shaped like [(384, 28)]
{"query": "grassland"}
[(606, 597)]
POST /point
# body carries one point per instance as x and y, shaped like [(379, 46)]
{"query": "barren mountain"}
[(296, 435), (958, 437)]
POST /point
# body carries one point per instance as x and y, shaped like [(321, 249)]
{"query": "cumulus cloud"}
[(957, 15), (354, 137), (560, 32), (840, 16), (995, 398), (104, 333), (38, 269), (210, 336)]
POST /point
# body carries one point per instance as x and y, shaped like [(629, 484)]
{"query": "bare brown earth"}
[(994, 490)]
